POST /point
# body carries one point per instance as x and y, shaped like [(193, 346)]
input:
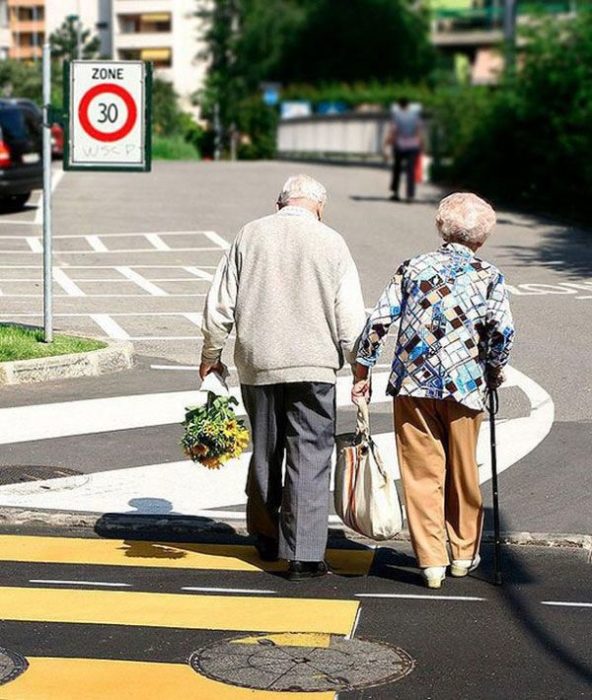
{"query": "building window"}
[(161, 58), (147, 23)]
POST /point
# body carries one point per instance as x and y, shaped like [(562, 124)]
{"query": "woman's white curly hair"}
[(465, 218)]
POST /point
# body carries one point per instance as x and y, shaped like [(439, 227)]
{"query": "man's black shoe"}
[(395, 198), (267, 548), (301, 570)]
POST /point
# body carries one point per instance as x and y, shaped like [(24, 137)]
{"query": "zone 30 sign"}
[(108, 105)]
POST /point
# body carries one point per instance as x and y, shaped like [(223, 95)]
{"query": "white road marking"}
[(96, 244), (34, 244), (109, 296), (417, 596), (67, 284), (56, 178), (198, 272), (142, 282), (155, 240), (205, 589), (80, 583), (109, 326), (126, 250), (104, 267), (178, 368), (218, 240), (566, 604), (355, 625), (116, 313), (196, 319)]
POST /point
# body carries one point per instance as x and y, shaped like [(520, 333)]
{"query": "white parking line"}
[(194, 318), (96, 244), (109, 326), (202, 274), (562, 604), (142, 282), (204, 589), (68, 285), (34, 244), (126, 250), (215, 238), (417, 596), (106, 267), (155, 240), (80, 583)]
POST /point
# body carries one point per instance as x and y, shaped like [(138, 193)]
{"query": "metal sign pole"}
[(47, 242)]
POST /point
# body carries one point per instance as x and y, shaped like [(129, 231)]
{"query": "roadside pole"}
[(47, 242)]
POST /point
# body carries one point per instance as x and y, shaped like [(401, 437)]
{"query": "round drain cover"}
[(18, 475), (11, 665), (300, 662)]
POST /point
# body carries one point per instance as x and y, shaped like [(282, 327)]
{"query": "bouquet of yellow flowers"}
[(213, 433)]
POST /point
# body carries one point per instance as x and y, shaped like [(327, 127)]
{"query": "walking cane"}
[(493, 408)]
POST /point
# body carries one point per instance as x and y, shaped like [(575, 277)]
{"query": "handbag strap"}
[(363, 421)]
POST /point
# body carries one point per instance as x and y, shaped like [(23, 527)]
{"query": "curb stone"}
[(21, 520), (117, 356)]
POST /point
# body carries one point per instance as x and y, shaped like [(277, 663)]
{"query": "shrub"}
[(173, 148)]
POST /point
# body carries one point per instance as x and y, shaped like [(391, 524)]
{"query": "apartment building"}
[(26, 24), (471, 31), (5, 39), (165, 32)]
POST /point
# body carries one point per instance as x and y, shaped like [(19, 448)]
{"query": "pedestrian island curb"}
[(117, 356), (141, 526)]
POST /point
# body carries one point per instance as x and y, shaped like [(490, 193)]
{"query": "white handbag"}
[(366, 497)]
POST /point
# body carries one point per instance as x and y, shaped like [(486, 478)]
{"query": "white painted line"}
[(562, 604), (155, 240), (96, 244), (218, 240), (196, 319), (133, 234), (80, 583), (198, 272), (166, 337), (142, 282), (18, 223), (583, 297), (105, 296), (105, 267), (355, 625), (204, 589), (109, 326), (117, 313), (34, 244), (127, 250), (56, 178), (68, 285), (417, 596), (178, 368)]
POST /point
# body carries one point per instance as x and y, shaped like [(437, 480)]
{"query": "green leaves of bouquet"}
[(213, 433)]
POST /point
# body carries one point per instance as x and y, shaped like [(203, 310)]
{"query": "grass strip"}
[(21, 343)]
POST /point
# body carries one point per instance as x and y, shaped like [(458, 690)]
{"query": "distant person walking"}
[(405, 136), (290, 287), (454, 336)]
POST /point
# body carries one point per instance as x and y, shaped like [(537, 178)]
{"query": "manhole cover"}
[(19, 475), (298, 662), (11, 665)]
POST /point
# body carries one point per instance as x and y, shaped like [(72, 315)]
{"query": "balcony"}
[(25, 53), (28, 26)]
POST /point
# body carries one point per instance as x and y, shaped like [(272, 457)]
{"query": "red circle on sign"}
[(132, 112)]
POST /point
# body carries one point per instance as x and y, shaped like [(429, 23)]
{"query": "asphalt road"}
[(136, 602), (134, 254)]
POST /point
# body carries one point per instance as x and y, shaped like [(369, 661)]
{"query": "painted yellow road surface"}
[(173, 555), (54, 678), (206, 612), (95, 679)]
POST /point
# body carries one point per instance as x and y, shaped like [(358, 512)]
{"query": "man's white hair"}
[(302, 187), (465, 218)]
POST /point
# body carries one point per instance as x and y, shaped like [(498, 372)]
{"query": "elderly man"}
[(454, 337), (290, 287)]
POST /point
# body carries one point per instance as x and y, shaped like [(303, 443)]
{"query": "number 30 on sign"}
[(108, 108)]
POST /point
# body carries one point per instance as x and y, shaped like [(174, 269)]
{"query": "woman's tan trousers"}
[(436, 445)]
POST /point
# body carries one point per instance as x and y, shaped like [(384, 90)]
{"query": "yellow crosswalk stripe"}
[(177, 610), (96, 679), (172, 555)]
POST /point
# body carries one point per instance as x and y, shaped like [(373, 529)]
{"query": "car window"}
[(12, 123), (33, 127)]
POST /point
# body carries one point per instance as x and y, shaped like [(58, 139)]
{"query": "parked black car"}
[(21, 143)]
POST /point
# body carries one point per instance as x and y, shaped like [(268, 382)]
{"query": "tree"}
[(69, 36)]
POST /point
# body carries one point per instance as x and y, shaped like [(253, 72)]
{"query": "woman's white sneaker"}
[(434, 576), (462, 567)]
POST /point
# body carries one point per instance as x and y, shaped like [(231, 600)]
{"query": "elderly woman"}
[(454, 336)]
